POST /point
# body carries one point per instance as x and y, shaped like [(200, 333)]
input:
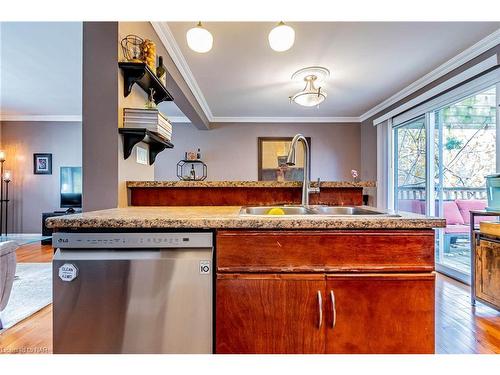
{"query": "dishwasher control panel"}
[(64, 240)]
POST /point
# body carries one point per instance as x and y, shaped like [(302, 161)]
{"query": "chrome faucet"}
[(290, 160)]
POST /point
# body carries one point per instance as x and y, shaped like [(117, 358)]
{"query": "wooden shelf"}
[(132, 136), (141, 74)]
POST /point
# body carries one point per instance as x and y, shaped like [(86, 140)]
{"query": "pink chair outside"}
[(457, 215), (465, 206)]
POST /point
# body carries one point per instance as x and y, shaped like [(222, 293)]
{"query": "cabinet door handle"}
[(320, 309), (334, 310)]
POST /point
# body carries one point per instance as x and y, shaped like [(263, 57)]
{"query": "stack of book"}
[(150, 119)]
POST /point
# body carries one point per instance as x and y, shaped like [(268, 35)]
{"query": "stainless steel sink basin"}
[(314, 210), (344, 210), (263, 210)]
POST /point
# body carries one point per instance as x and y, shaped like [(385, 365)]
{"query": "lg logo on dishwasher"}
[(204, 267)]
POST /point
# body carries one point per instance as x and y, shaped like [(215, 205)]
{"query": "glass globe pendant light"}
[(310, 96), (199, 39), (282, 37)]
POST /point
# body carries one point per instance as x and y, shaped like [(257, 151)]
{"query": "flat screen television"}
[(71, 187)]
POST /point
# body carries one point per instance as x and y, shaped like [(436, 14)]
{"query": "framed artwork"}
[(42, 163), (272, 154)]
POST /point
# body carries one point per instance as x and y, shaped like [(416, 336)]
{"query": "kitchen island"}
[(304, 283), (227, 217)]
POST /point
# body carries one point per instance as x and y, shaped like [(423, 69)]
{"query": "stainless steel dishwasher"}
[(132, 292)]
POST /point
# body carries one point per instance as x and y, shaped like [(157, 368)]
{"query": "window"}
[(440, 160)]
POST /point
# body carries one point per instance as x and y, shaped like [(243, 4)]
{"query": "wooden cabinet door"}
[(376, 313), (270, 313), (487, 276)]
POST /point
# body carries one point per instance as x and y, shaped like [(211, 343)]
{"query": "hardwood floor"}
[(33, 335), (30, 336), (460, 327), (34, 253)]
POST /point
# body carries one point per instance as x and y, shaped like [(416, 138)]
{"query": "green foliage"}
[(453, 143), (469, 146)]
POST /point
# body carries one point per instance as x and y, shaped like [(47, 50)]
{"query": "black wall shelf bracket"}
[(132, 136), (145, 78)]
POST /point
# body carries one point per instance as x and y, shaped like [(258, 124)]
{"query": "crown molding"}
[(167, 38), (473, 51), (70, 118), (424, 103), (42, 118), (287, 119), (173, 49)]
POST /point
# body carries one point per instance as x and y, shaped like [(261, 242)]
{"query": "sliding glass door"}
[(465, 152), (410, 142), (441, 159)]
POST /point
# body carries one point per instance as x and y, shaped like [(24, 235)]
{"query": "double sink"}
[(313, 210)]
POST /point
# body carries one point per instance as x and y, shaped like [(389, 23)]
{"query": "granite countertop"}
[(217, 217), (245, 184)]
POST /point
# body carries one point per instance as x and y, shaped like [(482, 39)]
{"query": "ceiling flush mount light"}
[(311, 95), (282, 37), (199, 39)]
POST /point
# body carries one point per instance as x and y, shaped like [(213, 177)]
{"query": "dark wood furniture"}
[(487, 271), (269, 313), (325, 251), (485, 257), (240, 196), (325, 291)]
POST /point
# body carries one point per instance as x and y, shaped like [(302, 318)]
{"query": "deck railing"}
[(449, 193)]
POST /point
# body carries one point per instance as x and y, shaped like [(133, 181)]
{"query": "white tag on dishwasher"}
[(204, 267), (68, 272)]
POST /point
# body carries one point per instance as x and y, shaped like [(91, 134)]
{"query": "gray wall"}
[(100, 115), (368, 161), (368, 147), (230, 150), (176, 85), (105, 170), (32, 194)]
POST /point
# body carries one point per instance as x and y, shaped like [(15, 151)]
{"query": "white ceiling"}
[(369, 61), (241, 77), (41, 72)]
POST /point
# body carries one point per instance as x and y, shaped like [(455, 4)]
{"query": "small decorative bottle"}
[(161, 72), (198, 155), (192, 173)]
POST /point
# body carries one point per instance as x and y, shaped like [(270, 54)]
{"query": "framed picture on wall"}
[(42, 163), (272, 154)]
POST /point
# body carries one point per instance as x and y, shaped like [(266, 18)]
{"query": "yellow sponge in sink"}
[(276, 211)]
